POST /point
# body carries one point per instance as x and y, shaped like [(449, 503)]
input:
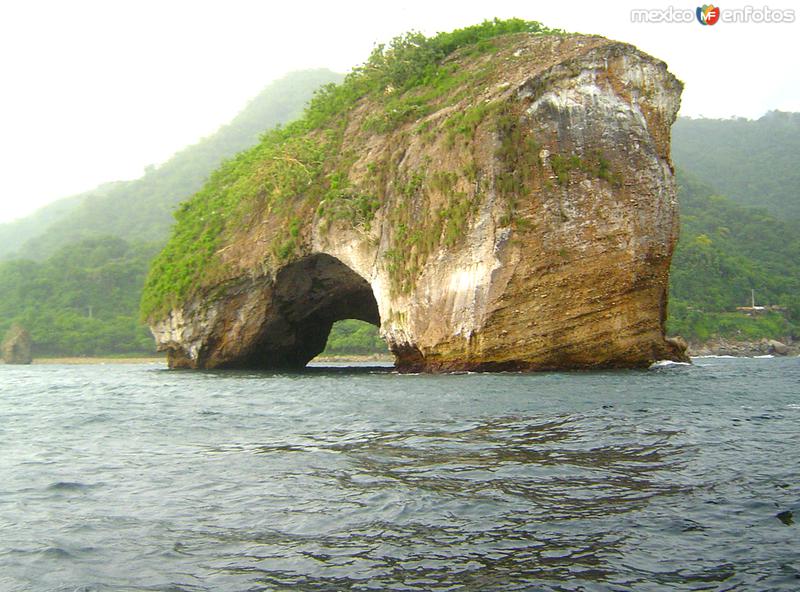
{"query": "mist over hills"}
[(14, 234), (753, 162), (141, 210)]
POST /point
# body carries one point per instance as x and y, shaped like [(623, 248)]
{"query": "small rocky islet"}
[(17, 346), (513, 207)]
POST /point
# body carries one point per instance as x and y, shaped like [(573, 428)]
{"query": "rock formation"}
[(522, 219), (17, 346), (745, 349), (778, 348)]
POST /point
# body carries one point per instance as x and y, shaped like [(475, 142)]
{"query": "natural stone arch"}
[(540, 239), (308, 296)]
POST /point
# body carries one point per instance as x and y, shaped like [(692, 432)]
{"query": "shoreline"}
[(728, 349), (355, 358), (91, 360), (744, 349)]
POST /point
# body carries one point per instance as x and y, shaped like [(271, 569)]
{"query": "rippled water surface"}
[(131, 477)]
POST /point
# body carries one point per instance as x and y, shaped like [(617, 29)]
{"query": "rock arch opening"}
[(352, 340), (308, 297)]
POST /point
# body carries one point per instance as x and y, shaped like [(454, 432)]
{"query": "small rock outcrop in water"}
[(763, 347), (17, 346), (522, 219), (778, 348), (786, 517)]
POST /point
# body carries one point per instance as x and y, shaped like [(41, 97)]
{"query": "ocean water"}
[(132, 477)]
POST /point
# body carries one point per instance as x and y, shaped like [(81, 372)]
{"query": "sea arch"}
[(308, 296)]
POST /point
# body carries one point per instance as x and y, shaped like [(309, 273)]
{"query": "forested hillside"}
[(80, 301), (753, 162), (141, 210), (79, 287), (739, 190), (725, 251)]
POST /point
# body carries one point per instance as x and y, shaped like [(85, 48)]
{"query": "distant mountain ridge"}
[(141, 210), (753, 162), (14, 234)]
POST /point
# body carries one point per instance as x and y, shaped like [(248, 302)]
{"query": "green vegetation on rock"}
[(81, 296), (725, 250), (302, 169)]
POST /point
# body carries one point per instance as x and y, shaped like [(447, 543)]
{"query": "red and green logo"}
[(708, 14)]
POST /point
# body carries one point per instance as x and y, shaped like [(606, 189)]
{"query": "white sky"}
[(93, 91)]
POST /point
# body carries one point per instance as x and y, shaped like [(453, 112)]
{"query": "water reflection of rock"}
[(551, 464), (483, 507)]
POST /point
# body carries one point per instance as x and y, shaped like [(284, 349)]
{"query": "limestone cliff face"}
[(525, 221)]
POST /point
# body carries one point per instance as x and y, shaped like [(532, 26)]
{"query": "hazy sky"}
[(93, 91)]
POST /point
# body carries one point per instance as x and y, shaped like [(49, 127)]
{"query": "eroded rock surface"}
[(526, 224), (17, 346)]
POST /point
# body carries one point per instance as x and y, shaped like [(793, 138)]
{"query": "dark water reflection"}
[(481, 507), (131, 478)]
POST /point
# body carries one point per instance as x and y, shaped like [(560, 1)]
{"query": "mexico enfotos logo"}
[(707, 14), (710, 14)]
